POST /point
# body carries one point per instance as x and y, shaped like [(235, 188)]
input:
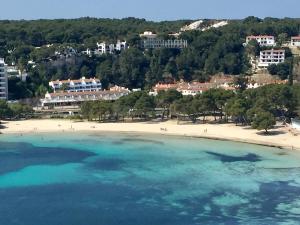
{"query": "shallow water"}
[(110, 179)]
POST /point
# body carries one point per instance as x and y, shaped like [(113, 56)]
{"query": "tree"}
[(144, 105), (85, 71), (186, 106), (164, 100), (237, 108), (241, 82), (253, 48), (281, 39), (133, 66), (5, 111), (283, 70), (19, 110), (263, 121)]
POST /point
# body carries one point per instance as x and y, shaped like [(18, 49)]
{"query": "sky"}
[(156, 10)]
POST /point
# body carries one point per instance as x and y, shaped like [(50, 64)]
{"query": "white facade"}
[(263, 40), (296, 124), (13, 71), (295, 41), (148, 35), (121, 45), (75, 98), (269, 57), (151, 40), (81, 85), (3, 81), (158, 43), (105, 48)]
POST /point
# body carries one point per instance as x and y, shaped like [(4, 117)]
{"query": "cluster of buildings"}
[(104, 48), (194, 88), (73, 92), (267, 57), (271, 56), (65, 52), (225, 82), (107, 48), (149, 40), (152, 41), (3, 80)]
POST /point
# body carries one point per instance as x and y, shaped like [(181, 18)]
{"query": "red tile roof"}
[(296, 38)]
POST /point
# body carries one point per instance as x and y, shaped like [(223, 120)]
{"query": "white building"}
[(269, 57), (296, 124), (158, 43), (148, 35), (105, 48), (263, 40), (3, 81), (13, 71), (75, 98), (121, 45), (151, 40), (81, 85), (295, 41)]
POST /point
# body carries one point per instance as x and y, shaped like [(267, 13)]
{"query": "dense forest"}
[(209, 52)]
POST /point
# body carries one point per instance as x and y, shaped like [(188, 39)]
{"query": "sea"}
[(136, 179)]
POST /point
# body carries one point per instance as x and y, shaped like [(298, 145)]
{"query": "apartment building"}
[(81, 85), (151, 40), (158, 43), (295, 41), (269, 57), (105, 48), (75, 98), (263, 40), (3, 81)]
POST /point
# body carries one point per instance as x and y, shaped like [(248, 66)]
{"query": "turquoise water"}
[(110, 179)]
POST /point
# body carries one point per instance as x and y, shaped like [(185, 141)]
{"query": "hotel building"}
[(295, 41), (3, 81), (263, 40), (81, 85), (269, 57), (75, 98), (150, 40)]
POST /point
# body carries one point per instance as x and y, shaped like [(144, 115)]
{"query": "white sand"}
[(282, 138)]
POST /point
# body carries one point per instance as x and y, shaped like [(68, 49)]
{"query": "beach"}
[(279, 137)]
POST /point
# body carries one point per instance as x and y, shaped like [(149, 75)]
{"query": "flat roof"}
[(75, 81), (87, 93), (260, 36)]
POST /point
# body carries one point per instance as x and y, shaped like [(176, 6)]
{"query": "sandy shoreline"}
[(281, 136)]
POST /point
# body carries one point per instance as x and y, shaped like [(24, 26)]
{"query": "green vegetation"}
[(14, 110), (256, 107), (263, 121), (209, 52)]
